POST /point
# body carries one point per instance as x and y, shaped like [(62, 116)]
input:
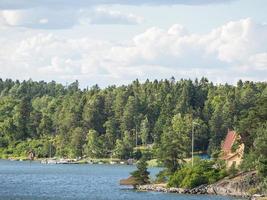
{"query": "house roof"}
[(229, 141)]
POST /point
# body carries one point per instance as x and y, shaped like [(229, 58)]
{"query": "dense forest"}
[(112, 122)]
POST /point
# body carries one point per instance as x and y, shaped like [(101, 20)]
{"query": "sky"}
[(109, 42)]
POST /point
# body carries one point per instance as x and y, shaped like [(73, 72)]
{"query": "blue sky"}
[(116, 41)]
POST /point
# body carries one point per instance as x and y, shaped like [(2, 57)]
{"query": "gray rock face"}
[(237, 186), (157, 188)]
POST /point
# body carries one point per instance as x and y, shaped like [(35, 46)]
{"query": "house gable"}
[(229, 141), (232, 157)]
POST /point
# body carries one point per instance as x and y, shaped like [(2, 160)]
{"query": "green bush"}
[(203, 172), (249, 162), (194, 180), (162, 177), (232, 171), (41, 148), (253, 190), (3, 142)]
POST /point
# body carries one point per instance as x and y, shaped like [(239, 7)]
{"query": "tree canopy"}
[(111, 122)]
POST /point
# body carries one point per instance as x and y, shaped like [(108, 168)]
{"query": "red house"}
[(232, 149)]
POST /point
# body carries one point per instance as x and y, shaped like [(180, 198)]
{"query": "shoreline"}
[(108, 161), (239, 186), (56, 160), (200, 190)]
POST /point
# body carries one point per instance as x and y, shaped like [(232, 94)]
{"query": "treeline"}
[(109, 122)]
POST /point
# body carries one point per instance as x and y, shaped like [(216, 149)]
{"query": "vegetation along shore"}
[(200, 133)]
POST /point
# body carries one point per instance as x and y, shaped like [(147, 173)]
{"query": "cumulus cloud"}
[(53, 19), (235, 50), (102, 15), (59, 14), (259, 61), (39, 18)]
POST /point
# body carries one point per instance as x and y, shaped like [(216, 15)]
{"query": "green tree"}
[(260, 145), (141, 175), (175, 142), (22, 119), (129, 115), (144, 130), (93, 113), (45, 126), (94, 148), (111, 133), (201, 135), (119, 150), (218, 128), (124, 148), (77, 142)]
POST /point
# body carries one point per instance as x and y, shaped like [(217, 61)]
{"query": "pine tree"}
[(141, 175), (144, 130), (175, 143)]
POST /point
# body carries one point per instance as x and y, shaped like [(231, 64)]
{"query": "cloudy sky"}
[(116, 41)]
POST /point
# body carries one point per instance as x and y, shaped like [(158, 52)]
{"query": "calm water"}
[(32, 181)]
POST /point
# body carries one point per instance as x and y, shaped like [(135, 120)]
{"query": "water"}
[(32, 181)]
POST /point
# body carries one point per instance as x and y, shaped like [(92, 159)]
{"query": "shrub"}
[(137, 154), (3, 142), (141, 175), (232, 171), (41, 148), (162, 177), (194, 180), (203, 172), (249, 162), (253, 190)]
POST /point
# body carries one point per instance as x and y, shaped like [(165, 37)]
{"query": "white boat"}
[(49, 161)]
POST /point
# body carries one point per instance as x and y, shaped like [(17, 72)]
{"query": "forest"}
[(122, 121)]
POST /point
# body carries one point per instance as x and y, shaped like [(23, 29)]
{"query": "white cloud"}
[(259, 61), (45, 18), (61, 14), (102, 15), (24, 4), (229, 52), (235, 41), (39, 18), (12, 17)]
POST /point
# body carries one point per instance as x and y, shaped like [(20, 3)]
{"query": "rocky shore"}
[(162, 188), (238, 186)]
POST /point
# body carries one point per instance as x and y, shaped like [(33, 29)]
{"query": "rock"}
[(237, 186), (202, 189), (258, 197)]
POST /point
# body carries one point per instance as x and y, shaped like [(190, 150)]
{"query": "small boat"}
[(112, 163), (90, 162), (13, 159), (49, 161)]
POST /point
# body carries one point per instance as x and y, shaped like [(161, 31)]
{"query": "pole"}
[(192, 144), (136, 135), (50, 150)]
